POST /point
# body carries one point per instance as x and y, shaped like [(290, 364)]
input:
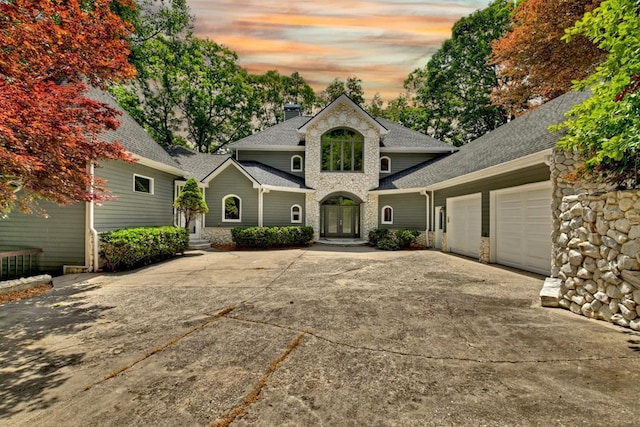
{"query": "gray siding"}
[(402, 161), (60, 236), (134, 209), (409, 210), (528, 175), (231, 181), (277, 207), (276, 159)]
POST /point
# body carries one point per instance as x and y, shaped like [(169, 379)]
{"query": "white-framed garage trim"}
[(464, 224), (520, 227)]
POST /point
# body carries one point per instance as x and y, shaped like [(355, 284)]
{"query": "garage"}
[(464, 223), (521, 227)]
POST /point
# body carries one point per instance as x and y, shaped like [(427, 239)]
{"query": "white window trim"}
[(382, 221), (299, 221), (389, 162), (301, 163), (151, 184), (239, 209)]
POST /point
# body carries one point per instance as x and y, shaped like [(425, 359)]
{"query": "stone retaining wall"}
[(596, 247)]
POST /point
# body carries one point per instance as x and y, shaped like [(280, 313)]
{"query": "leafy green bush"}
[(406, 238), (134, 247), (265, 237), (378, 234), (388, 244), (383, 238)]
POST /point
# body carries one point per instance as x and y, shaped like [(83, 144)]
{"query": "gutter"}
[(94, 233), (426, 194)]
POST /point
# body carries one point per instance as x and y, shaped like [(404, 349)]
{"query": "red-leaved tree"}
[(49, 131), (532, 60)]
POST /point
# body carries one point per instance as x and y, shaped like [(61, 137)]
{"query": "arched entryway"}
[(340, 216)]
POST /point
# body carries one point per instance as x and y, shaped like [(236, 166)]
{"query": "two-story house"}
[(318, 171)]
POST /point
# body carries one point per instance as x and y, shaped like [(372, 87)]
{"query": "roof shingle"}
[(130, 134), (523, 136)]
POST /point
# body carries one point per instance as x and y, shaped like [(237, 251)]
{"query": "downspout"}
[(261, 191), (95, 265), (425, 193)]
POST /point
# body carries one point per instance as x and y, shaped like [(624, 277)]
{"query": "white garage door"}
[(464, 223), (522, 227)]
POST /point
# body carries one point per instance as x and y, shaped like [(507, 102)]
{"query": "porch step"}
[(199, 244), (336, 241)]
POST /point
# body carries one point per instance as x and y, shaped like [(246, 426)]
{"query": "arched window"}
[(296, 214), (231, 208), (385, 164), (296, 163), (387, 215), (342, 151)]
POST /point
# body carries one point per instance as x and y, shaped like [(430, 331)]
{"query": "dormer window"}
[(296, 163), (342, 151), (385, 164)]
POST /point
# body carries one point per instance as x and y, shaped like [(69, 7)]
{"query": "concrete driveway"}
[(311, 337)]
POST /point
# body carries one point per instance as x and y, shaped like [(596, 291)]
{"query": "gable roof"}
[(289, 135), (260, 175), (403, 139), (522, 137), (280, 136), (199, 164), (345, 100), (269, 176), (134, 138)]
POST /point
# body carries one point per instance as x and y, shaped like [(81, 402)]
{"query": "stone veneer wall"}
[(596, 247), (218, 235), (356, 183), (485, 250)]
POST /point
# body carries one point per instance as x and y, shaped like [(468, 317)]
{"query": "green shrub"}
[(388, 244), (378, 234), (265, 237), (383, 238), (406, 238), (134, 247)]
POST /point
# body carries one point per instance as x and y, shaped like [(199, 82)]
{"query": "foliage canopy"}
[(605, 128), (49, 130), (533, 61)]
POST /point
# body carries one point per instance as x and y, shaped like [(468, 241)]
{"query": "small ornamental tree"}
[(190, 202)]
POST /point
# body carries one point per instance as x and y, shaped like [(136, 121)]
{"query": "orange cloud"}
[(380, 42)]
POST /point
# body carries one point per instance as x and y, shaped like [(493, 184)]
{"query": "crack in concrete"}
[(198, 327), (254, 395), (430, 357)]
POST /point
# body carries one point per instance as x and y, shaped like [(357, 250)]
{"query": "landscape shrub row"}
[(129, 248), (383, 238), (265, 237)]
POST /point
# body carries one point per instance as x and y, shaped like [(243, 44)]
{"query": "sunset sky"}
[(380, 42)]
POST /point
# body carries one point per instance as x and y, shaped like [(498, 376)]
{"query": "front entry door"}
[(340, 218)]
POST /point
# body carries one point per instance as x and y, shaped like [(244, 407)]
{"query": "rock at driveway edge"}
[(550, 295)]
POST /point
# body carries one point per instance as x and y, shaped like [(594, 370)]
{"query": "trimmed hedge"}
[(269, 237), (129, 248)]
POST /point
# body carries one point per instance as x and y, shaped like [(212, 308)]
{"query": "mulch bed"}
[(27, 293)]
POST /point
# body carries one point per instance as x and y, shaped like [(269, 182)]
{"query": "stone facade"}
[(217, 235), (357, 184), (596, 247), (485, 250), (431, 239)]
